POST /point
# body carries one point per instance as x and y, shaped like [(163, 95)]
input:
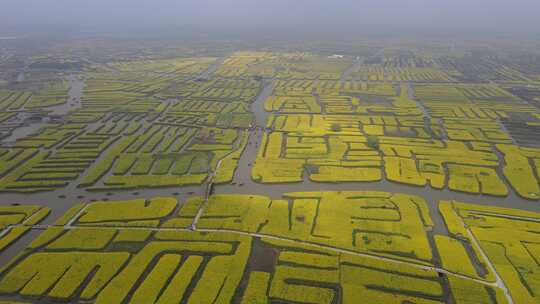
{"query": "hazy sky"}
[(351, 15)]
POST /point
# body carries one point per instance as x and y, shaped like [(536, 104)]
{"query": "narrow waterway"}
[(357, 64), (28, 128), (62, 199), (206, 74)]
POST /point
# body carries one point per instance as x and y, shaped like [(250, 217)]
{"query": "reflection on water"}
[(33, 126), (62, 199)]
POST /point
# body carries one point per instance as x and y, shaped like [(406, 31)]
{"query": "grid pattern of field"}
[(236, 179), (39, 95), (283, 66), (129, 132), (378, 247), (445, 136)]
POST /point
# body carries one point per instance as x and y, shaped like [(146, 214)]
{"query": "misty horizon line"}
[(194, 29)]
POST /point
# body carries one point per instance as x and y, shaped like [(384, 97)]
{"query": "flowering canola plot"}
[(452, 136), (289, 120), (245, 248)]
